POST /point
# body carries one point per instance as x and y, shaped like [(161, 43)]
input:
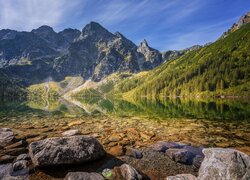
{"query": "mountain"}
[(170, 55), (98, 53), (218, 69), (242, 21), (68, 59), (152, 56), (94, 53)]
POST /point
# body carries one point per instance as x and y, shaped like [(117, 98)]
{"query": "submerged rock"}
[(65, 150), (182, 177), (162, 146), (83, 176), (222, 163), (18, 144), (116, 151), (23, 157), (180, 155), (6, 159), (72, 132), (6, 136), (133, 153)]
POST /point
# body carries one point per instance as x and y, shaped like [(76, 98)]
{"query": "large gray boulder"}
[(83, 176), (224, 164), (65, 150), (6, 136)]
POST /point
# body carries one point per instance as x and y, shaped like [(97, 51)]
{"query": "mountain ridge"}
[(93, 53)]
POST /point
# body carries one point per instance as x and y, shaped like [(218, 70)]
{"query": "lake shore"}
[(70, 152)]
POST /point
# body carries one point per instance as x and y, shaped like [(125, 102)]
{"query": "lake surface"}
[(208, 123)]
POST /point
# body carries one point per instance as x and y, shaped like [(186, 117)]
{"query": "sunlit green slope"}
[(222, 68)]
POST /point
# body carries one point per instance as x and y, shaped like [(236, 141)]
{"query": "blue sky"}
[(166, 24)]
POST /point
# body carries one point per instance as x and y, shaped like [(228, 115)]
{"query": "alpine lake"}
[(208, 123)]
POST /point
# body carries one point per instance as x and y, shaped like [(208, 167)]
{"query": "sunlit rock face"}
[(152, 56), (242, 21), (93, 53)]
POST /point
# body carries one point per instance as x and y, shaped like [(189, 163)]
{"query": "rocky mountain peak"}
[(119, 35), (70, 34), (144, 43), (7, 34), (43, 30), (242, 21), (96, 31), (94, 28), (144, 47), (152, 56)]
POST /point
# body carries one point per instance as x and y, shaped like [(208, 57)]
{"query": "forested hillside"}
[(222, 68)]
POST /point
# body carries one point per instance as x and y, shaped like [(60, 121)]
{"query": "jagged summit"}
[(119, 35), (153, 57), (96, 31), (43, 29), (144, 43), (93, 27), (245, 19), (70, 34), (93, 53)]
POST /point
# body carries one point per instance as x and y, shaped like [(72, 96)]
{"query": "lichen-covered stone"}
[(65, 150), (222, 163)]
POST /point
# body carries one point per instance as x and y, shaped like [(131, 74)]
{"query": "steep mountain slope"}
[(242, 21), (152, 56), (93, 54), (98, 53), (222, 68), (11, 88)]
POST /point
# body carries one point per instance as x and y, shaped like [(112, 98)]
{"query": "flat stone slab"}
[(65, 150)]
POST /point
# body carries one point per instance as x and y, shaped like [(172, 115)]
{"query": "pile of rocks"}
[(76, 149), (10, 146), (181, 153)]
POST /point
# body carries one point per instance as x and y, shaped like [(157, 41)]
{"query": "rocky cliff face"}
[(93, 53), (152, 56), (242, 21)]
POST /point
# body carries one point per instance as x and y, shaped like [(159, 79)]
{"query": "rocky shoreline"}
[(75, 156)]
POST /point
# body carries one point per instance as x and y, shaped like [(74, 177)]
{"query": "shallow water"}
[(210, 123)]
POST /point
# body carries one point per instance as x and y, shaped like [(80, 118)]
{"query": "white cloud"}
[(29, 14), (120, 10)]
